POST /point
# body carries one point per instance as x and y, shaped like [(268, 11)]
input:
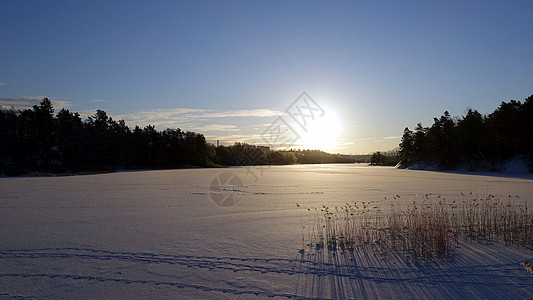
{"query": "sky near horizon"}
[(231, 69)]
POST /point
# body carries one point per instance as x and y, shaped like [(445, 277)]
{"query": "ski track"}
[(5, 295), (158, 233), (337, 275)]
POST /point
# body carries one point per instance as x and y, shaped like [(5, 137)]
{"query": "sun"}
[(322, 133)]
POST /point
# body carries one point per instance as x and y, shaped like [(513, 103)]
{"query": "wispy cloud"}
[(378, 139), (216, 127), (97, 100), (86, 113), (29, 102), (59, 104), (180, 116), (237, 125), (232, 138), (344, 143), (259, 113), (161, 117), (2, 83)]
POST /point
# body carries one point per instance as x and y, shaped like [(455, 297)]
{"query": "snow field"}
[(157, 234)]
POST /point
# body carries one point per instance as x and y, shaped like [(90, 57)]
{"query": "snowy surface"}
[(157, 234), (516, 166)]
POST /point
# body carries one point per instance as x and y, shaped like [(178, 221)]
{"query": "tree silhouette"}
[(37, 140), (475, 141)]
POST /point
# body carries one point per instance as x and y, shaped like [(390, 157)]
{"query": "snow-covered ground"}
[(158, 234)]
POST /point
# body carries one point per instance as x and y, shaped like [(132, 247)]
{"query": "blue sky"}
[(228, 69)]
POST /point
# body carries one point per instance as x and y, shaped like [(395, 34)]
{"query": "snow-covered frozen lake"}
[(158, 234)]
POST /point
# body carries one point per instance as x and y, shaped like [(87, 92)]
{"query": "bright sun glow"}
[(322, 133)]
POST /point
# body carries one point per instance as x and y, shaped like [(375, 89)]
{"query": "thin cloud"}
[(59, 104), (160, 114), (344, 143), (2, 83), (254, 139), (86, 113), (179, 116), (28, 102), (243, 113), (203, 121), (378, 139), (97, 100), (216, 127)]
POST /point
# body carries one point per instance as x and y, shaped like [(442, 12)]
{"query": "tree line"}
[(39, 140), (241, 154), (385, 158), (474, 140)]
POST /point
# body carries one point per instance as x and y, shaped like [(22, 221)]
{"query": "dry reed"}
[(425, 229)]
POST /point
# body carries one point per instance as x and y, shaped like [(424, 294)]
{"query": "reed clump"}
[(425, 228)]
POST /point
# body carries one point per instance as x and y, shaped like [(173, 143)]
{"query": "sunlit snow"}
[(158, 234)]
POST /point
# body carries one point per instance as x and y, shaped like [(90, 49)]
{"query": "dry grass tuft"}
[(425, 229), (528, 266)]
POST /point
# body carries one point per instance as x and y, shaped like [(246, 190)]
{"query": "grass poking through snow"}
[(427, 228)]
